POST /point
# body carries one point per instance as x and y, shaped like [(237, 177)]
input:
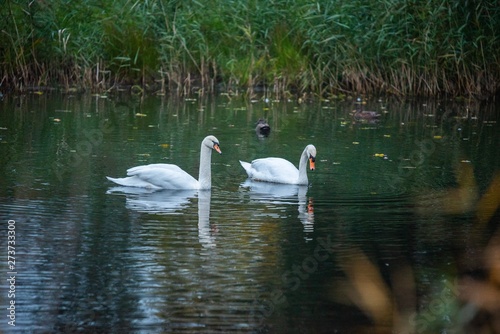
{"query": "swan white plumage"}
[(279, 170), (169, 176)]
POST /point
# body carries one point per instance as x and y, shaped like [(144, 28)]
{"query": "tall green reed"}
[(405, 47)]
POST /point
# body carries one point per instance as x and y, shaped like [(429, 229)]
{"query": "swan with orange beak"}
[(279, 170), (169, 176)]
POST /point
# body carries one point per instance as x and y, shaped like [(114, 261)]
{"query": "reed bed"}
[(403, 47)]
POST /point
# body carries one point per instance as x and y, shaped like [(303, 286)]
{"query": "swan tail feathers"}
[(132, 181), (246, 166)]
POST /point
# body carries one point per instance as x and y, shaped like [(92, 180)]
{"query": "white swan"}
[(168, 176), (279, 170)]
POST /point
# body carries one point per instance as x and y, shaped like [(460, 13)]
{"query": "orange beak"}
[(217, 148), (312, 163), (310, 206)]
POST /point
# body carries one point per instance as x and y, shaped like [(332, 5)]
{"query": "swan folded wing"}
[(274, 170), (165, 176), (138, 169)]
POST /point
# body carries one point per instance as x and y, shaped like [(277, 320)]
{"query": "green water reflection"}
[(393, 233)]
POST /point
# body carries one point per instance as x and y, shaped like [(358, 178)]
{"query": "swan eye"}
[(313, 159)]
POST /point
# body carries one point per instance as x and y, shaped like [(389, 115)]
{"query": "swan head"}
[(311, 155), (212, 143)]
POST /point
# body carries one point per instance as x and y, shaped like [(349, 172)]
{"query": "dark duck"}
[(360, 114), (262, 128)]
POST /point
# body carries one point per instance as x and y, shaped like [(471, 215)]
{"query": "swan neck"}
[(205, 176), (303, 168)]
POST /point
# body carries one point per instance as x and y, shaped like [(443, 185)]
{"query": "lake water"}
[(394, 232)]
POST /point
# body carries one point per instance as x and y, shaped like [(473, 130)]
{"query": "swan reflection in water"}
[(169, 201), (278, 193)]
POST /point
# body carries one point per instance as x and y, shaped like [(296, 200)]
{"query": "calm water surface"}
[(393, 217)]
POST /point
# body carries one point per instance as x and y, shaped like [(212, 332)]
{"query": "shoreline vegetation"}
[(283, 48)]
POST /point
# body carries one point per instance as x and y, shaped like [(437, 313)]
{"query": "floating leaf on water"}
[(164, 145), (438, 137), (380, 155), (387, 136), (465, 161), (355, 142), (140, 115), (38, 93), (57, 120)]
